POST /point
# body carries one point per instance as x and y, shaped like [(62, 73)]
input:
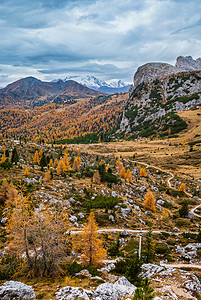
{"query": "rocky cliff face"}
[(158, 91)]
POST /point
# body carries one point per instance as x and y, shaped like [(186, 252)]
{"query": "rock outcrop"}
[(158, 90), (14, 290), (186, 285), (153, 70), (107, 291)]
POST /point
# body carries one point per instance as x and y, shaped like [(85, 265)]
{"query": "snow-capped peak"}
[(108, 87)]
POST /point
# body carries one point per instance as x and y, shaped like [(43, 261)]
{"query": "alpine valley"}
[(100, 186)]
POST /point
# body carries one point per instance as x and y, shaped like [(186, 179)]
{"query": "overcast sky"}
[(106, 38)]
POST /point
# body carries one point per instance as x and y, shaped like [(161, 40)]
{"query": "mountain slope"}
[(30, 92), (160, 90)]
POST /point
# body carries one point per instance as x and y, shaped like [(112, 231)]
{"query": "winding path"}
[(169, 184)]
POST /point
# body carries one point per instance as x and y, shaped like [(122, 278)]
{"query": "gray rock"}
[(83, 274), (73, 219), (122, 288), (81, 215), (111, 218), (71, 293), (150, 269), (16, 290)]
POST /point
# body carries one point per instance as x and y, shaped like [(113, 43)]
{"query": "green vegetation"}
[(101, 201)]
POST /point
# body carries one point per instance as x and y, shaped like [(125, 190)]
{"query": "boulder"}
[(83, 274), (150, 269), (122, 288), (16, 290), (71, 293)]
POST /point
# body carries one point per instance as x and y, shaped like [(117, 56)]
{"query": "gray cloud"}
[(104, 38)]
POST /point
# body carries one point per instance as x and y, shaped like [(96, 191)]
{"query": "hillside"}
[(30, 92), (158, 92), (65, 120)]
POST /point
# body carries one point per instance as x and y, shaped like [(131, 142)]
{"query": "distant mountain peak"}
[(31, 92), (92, 82)]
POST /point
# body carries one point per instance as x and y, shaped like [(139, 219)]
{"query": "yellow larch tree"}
[(47, 176), (36, 158), (56, 163), (165, 214), (40, 153), (183, 142), (7, 192), (101, 162), (3, 158), (182, 187), (61, 167), (66, 161), (76, 163), (51, 164), (129, 177), (142, 172), (96, 177), (149, 202), (122, 172), (92, 247), (26, 172)]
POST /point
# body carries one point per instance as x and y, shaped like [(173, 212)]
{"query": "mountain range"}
[(30, 92), (107, 87)]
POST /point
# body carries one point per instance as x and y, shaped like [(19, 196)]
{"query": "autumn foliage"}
[(142, 172), (182, 187), (149, 202), (92, 247)]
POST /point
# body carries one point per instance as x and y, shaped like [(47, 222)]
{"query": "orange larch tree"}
[(92, 247), (142, 172), (182, 187), (149, 202)]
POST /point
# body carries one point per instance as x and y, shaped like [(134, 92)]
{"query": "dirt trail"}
[(169, 184)]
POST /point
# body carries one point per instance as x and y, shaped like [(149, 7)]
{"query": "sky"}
[(109, 39)]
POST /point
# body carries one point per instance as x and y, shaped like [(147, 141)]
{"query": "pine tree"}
[(145, 292), (149, 202), (183, 211), (92, 247), (14, 156), (43, 161), (96, 177), (107, 167), (149, 247)]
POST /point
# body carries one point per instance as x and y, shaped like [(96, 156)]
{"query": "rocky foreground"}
[(169, 283)]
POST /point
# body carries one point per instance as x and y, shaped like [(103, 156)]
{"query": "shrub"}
[(74, 267), (161, 248)]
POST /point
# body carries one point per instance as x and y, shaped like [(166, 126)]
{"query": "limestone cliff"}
[(158, 91)]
